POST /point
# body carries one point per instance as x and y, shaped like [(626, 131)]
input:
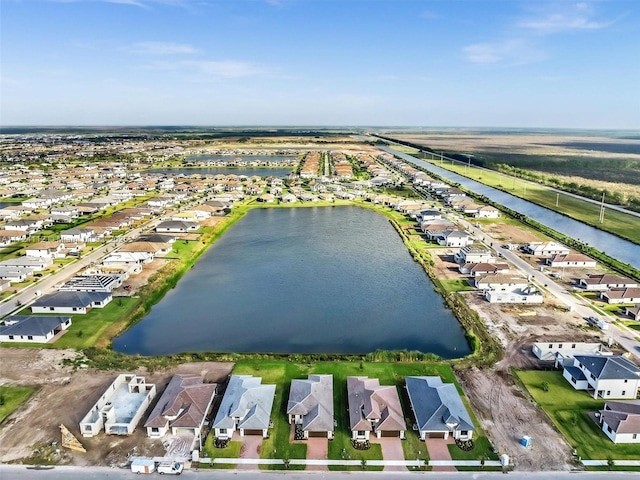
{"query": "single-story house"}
[(606, 281), (36, 264), (32, 328), (177, 227), (46, 250), (571, 260), (501, 282), (481, 269), (558, 351), (426, 215), (77, 235), (128, 258), (183, 407), (71, 302), (606, 376), (310, 405), (528, 294), (620, 421), (154, 248), (157, 238), (15, 274), (9, 236), (455, 238), (487, 211), (474, 255), (120, 407), (633, 312), (438, 409), (246, 407), (621, 295), (92, 283), (374, 408), (546, 248)]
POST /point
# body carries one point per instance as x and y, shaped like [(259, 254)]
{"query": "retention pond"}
[(302, 280)]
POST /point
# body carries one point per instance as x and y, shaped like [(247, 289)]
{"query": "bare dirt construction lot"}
[(64, 397), (504, 410)]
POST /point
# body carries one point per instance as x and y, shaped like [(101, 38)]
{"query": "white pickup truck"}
[(597, 322)]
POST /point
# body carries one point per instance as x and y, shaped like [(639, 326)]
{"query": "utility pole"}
[(602, 209), (557, 198)]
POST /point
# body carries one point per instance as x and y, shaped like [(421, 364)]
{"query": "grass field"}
[(568, 410), (618, 223), (11, 398)]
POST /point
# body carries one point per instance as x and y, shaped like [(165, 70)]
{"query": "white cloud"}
[(573, 17), (211, 69), (513, 52), (160, 48)]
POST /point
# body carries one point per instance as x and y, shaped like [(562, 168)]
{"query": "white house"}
[(620, 421), (71, 302), (487, 211), (474, 255), (606, 282), (455, 238), (528, 294), (548, 248), (571, 260), (621, 295), (604, 376), (32, 328)]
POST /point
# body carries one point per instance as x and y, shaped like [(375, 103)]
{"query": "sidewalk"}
[(357, 463)]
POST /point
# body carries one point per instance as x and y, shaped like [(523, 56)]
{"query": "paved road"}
[(622, 336), (20, 472)]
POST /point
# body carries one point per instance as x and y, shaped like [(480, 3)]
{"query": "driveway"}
[(317, 449), (437, 448), (250, 449), (391, 450)]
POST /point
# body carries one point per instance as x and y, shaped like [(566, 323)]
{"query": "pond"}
[(248, 171), (302, 280)]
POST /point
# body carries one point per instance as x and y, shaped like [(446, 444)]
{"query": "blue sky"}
[(503, 63)]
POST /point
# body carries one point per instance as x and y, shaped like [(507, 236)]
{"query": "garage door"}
[(253, 432), (317, 434), (390, 433), (435, 435)]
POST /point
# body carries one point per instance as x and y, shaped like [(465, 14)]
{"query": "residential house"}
[(487, 211), (604, 376), (128, 259), (474, 255), (120, 407), (46, 250), (157, 238), (92, 283), (606, 282), (289, 198), (15, 274), (246, 407), (35, 264), (546, 248), (7, 237), (71, 302), (427, 215), (177, 227), (528, 294), (455, 238), (633, 312), (438, 409), (482, 269), (571, 260), (559, 352), (501, 282), (153, 248), (310, 406), (374, 409), (25, 224), (182, 408), (77, 235), (621, 295), (32, 328), (620, 421)]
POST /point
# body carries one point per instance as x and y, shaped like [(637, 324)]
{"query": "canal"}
[(248, 171), (613, 246), (302, 280)]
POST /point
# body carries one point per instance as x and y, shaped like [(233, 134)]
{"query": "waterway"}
[(248, 171), (613, 246), (302, 280), (245, 158)]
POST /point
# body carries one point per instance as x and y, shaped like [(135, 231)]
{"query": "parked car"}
[(172, 468)]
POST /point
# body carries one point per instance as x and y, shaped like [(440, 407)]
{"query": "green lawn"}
[(456, 285), (11, 398), (568, 410), (230, 451), (618, 223)]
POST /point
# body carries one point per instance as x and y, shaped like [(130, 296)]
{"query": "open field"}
[(568, 409)]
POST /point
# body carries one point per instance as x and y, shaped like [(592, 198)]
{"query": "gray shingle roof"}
[(71, 299), (31, 325), (313, 398), (247, 399), (435, 404), (609, 367)]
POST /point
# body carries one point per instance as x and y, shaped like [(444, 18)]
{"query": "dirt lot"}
[(511, 233), (64, 397)]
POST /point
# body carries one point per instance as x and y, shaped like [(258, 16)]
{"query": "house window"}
[(573, 346), (592, 376), (624, 392), (573, 380), (29, 337), (361, 433), (635, 435), (10, 337), (609, 429), (551, 345), (223, 431), (608, 392), (560, 346), (51, 308), (74, 309), (155, 429), (625, 380)]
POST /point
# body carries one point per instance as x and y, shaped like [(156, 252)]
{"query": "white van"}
[(172, 468)]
